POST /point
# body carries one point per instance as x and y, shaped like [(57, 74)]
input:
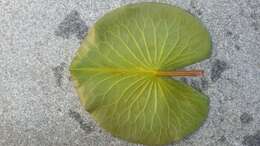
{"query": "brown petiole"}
[(181, 73)]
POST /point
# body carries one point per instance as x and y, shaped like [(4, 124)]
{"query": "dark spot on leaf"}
[(252, 140), (83, 124), (246, 118), (72, 25), (58, 73), (218, 67)]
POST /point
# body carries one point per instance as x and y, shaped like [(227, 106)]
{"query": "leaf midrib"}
[(139, 71)]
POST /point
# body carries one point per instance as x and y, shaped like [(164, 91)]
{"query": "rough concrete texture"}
[(39, 106)]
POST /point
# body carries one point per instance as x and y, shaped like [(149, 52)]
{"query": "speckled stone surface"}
[(39, 105)]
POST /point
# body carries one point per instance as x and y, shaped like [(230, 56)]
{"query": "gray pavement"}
[(39, 106)]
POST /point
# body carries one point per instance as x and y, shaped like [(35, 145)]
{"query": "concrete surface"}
[(38, 104)]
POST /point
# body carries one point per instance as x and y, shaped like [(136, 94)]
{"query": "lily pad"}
[(123, 73)]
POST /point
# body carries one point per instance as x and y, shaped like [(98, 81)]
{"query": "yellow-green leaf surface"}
[(116, 73)]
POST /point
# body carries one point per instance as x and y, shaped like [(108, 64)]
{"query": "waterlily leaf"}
[(116, 73)]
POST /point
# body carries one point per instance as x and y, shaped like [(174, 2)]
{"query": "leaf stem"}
[(181, 73)]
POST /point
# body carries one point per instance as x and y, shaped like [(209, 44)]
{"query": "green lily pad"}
[(117, 73)]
